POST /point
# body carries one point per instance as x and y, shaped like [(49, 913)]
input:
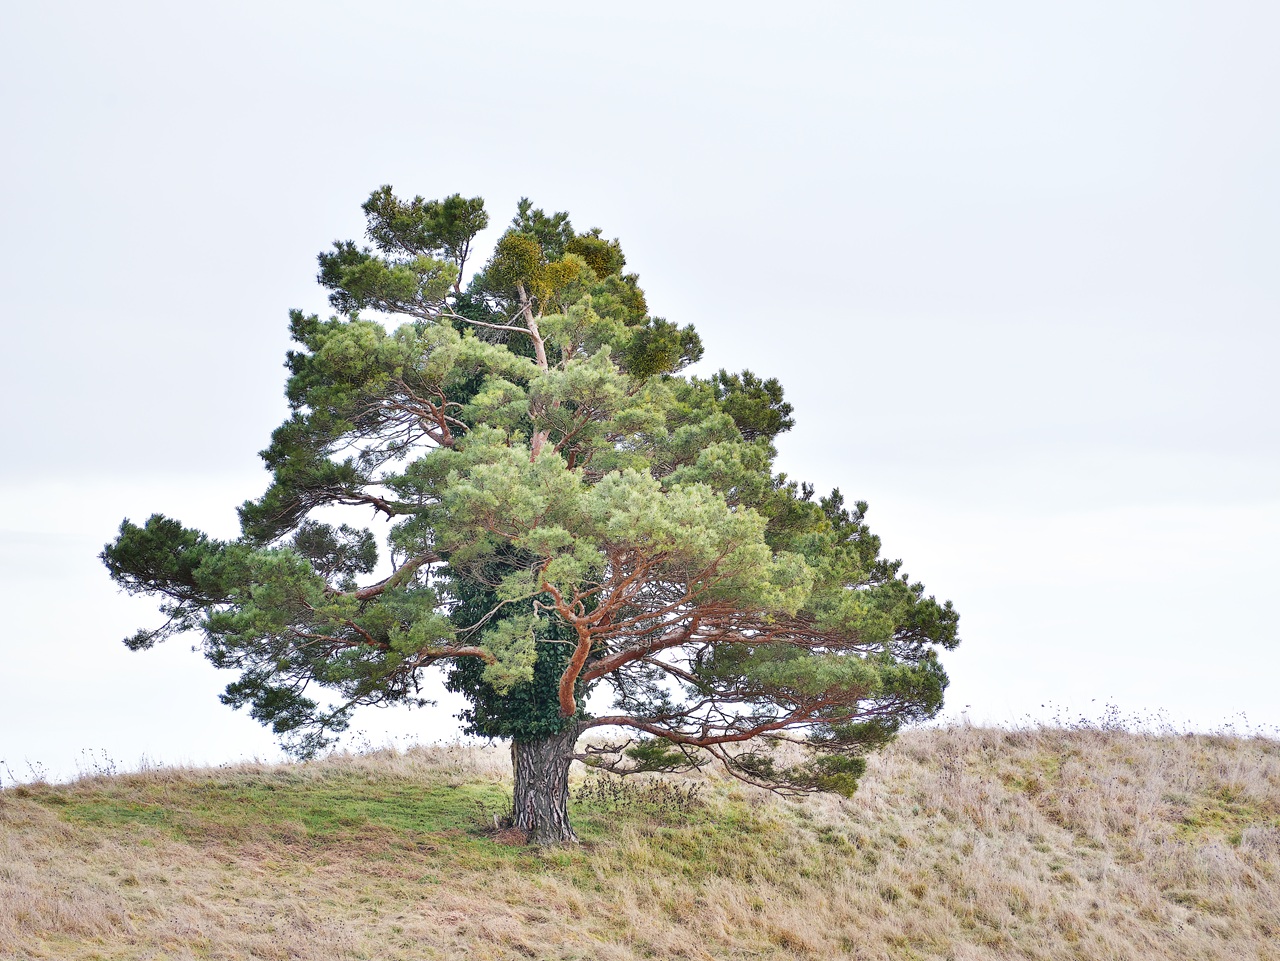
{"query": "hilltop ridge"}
[(961, 843)]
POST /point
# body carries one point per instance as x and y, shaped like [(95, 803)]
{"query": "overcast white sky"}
[(1016, 265)]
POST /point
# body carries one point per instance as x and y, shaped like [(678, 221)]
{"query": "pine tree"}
[(568, 514)]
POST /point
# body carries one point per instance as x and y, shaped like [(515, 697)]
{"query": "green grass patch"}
[(1224, 814), (400, 819), (386, 819)]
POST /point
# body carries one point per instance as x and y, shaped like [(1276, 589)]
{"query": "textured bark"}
[(542, 786)]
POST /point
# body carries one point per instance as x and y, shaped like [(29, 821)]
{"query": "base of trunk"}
[(541, 766)]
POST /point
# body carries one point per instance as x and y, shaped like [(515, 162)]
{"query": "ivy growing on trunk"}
[(579, 534)]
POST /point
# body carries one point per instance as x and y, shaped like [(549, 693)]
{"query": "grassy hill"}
[(962, 843)]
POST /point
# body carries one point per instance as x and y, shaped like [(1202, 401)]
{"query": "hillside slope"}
[(962, 843)]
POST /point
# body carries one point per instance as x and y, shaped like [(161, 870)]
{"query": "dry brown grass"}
[(962, 843)]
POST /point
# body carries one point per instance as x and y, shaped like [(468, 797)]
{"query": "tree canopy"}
[(578, 532)]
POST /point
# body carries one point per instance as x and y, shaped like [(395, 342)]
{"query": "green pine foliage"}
[(566, 513)]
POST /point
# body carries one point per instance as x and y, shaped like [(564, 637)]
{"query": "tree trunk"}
[(542, 786)]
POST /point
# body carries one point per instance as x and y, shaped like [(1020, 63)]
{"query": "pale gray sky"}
[(1016, 265)]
